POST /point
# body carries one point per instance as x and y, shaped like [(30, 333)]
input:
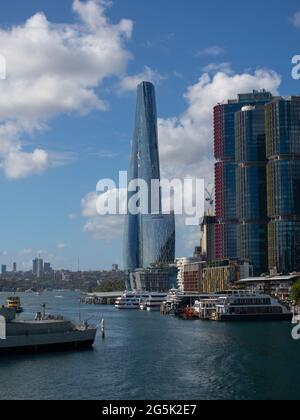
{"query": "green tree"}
[(296, 292), (116, 285)]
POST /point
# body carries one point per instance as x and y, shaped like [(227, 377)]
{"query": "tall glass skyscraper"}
[(226, 170), (149, 239), (252, 187), (283, 179)]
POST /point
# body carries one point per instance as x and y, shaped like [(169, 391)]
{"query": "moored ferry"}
[(153, 302), (140, 300), (14, 302), (130, 300), (250, 306)]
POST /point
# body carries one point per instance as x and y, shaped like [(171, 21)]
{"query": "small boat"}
[(14, 302)]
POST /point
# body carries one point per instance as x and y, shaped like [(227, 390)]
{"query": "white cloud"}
[(106, 227), (129, 83), (18, 164), (54, 69), (215, 67), (61, 246), (296, 19), (214, 50)]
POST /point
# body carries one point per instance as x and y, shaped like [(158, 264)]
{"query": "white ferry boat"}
[(140, 300), (130, 300), (153, 302), (250, 306)]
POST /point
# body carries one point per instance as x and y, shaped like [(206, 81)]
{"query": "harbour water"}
[(150, 356)]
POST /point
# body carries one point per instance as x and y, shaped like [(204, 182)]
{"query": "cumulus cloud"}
[(61, 246), (103, 227), (129, 83), (54, 69), (216, 67)]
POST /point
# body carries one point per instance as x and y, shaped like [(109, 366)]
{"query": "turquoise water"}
[(149, 356)]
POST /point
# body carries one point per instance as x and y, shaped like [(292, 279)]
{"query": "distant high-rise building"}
[(283, 179), (149, 240), (14, 267), (3, 269), (115, 267), (208, 238), (226, 170), (40, 268), (252, 239), (34, 266), (47, 268)]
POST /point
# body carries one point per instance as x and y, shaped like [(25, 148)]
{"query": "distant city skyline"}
[(55, 147)]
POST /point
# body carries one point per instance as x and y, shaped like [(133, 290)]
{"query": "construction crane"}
[(210, 199)]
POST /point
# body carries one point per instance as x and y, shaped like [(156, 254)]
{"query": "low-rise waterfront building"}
[(277, 286), (181, 264), (220, 277), (192, 277), (154, 279), (196, 276)]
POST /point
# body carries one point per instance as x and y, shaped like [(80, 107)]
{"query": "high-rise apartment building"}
[(38, 267), (227, 226), (251, 177), (34, 266), (283, 178), (149, 239)]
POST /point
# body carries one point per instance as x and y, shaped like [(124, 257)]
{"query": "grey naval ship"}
[(44, 333)]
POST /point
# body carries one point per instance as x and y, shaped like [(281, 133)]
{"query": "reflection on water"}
[(148, 356)]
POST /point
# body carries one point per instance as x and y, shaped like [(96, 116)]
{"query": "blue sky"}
[(232, 45)]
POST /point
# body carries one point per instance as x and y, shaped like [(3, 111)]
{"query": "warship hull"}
[(76, 340)]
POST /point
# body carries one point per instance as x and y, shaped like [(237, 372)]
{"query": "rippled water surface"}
[(148, 356)]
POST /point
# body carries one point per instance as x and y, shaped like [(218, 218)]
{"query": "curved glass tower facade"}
[(283, 178), (149, 239), (252, 187)]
